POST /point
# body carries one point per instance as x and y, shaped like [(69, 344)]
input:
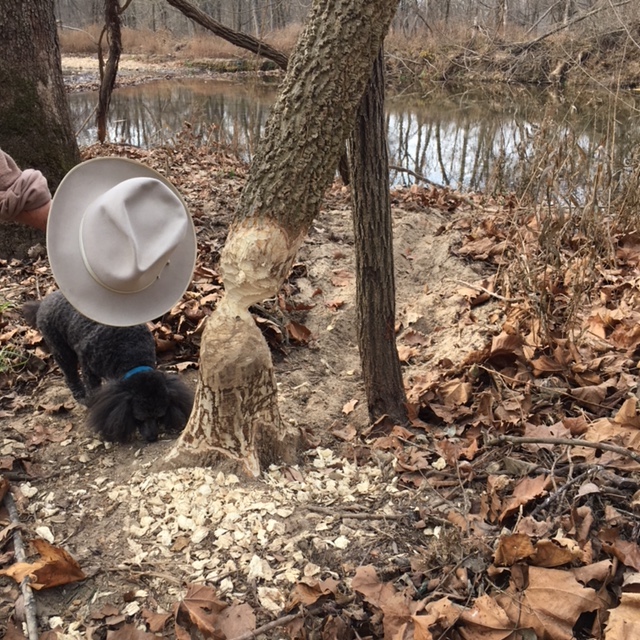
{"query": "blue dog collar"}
[(135, 370)]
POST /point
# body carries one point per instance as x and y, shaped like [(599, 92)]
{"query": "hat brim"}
[(82, 185)]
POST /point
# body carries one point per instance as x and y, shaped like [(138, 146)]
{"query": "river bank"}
[(600, 61)]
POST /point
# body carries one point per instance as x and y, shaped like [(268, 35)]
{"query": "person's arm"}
[(24, 195), (37, 218)]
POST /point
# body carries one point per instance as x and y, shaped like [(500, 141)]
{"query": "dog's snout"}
[(149, 430)]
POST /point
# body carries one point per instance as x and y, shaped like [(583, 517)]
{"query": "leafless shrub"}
[(575, 200)]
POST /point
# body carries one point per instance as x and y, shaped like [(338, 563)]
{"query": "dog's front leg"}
[(68, 362)]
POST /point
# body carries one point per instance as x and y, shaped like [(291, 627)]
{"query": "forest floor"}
[(508, 506)]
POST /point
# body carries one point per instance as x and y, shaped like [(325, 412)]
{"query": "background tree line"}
[(414, 17)]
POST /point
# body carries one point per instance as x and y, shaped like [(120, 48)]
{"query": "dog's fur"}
[(118, 403)]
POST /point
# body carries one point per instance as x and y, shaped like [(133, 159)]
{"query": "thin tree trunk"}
[(109, 72), (375, 283), (236, 413)]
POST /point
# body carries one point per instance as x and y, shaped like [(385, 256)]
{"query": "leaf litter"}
[(484, 517)]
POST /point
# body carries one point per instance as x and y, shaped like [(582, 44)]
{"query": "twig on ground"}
[(145, 574), (278, 622), (568, 442), (357, 515), (27, 592), (552, 497), (493, 294)]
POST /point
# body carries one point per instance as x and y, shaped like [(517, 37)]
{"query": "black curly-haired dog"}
[(120, 385)]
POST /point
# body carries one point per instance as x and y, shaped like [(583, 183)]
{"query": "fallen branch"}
[(567, 442), (27, 592), (417, 176)]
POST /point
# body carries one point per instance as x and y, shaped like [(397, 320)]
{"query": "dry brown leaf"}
[(13, 632), (455, 392), (309, 590), (200, 608), (548, 553), (550, 604), (624, 620), (55, 568), (383, 596), (130, 632), (297, 332), (525, 491), (505, 344), (628, 414), (627, 552), (405, 353), (155, 621), (349, 406), (236, 620), (486, 620), (512, 549)]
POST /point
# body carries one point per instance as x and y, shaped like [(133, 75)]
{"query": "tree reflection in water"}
[(468, 139)]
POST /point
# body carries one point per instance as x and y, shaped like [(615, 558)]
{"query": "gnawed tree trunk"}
[(35, 124), (375, 282), (236, 412)]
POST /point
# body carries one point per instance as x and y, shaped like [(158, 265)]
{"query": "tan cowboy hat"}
[(120, 240)]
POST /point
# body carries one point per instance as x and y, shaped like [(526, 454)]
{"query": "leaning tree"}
[(369, 166), (236, 415)]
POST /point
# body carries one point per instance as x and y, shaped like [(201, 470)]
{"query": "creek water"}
[(469, 140)]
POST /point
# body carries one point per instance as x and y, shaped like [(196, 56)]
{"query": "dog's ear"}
[(110, 413), (180, 404)]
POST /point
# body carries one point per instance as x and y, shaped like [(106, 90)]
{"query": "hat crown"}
[(129, 232)]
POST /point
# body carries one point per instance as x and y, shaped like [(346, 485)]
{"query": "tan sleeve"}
[(20, 190)]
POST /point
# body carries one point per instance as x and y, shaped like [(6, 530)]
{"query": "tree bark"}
[(373, 233), (236, 413), (35, 124)]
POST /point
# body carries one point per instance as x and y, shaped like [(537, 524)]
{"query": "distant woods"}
[(518, 20)]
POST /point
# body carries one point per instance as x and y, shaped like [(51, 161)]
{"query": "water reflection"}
[(466, 139)]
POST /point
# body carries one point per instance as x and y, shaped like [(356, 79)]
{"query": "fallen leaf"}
[(55, 568), (550, 604), (129, 632), (512, 548), (236, 620), (349, 406)]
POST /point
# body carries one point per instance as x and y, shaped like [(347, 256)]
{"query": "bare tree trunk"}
[(236, 414), (375, 284), (35, 124), (109, 72)]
